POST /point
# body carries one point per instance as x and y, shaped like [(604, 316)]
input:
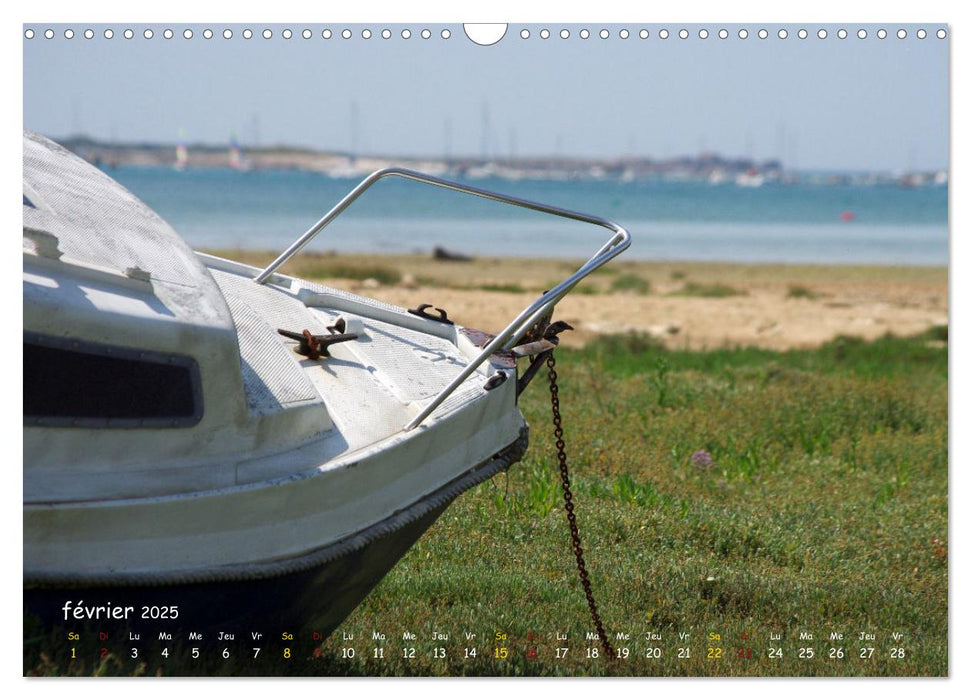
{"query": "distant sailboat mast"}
[(181, 152), (237, 160)]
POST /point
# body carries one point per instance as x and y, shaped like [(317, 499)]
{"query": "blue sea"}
[(790, 223)]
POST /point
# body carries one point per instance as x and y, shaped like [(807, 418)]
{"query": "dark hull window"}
[(101, 386)]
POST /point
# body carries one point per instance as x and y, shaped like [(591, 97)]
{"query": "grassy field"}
[(755, 495)]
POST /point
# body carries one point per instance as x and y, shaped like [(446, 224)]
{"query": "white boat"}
[(231, 444), (750, 178)]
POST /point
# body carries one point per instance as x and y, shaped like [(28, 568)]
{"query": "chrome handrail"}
[(510, 335)]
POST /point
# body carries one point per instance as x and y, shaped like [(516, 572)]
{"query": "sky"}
[(816, 104)]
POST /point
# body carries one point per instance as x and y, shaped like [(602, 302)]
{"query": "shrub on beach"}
[(798, 291), (716, 290), (630, 283)]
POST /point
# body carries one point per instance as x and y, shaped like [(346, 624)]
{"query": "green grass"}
[(630, 283), (717, 290), (583, 289), (823, 509), (505, 288), (336, 270), (799, 291), (937, 333)]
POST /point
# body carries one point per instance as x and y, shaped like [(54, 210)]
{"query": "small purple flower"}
[(702, 458)]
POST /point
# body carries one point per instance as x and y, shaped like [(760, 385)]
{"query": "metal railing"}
[(511, 334)]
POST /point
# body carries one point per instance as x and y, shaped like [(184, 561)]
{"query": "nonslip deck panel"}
[(86, 211), (272, 377), (277, 309)]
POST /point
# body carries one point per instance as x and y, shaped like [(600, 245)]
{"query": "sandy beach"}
[(684, 305)]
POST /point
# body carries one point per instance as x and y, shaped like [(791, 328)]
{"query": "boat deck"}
[(365, 392)]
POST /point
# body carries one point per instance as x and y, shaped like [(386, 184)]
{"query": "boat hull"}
[(314, 600), (310, 594)]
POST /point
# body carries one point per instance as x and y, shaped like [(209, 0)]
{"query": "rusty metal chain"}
[(568, 505)]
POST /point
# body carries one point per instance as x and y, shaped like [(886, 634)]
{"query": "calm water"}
[(668, 220)]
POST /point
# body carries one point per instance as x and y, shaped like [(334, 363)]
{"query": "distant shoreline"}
[(708, 166)]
